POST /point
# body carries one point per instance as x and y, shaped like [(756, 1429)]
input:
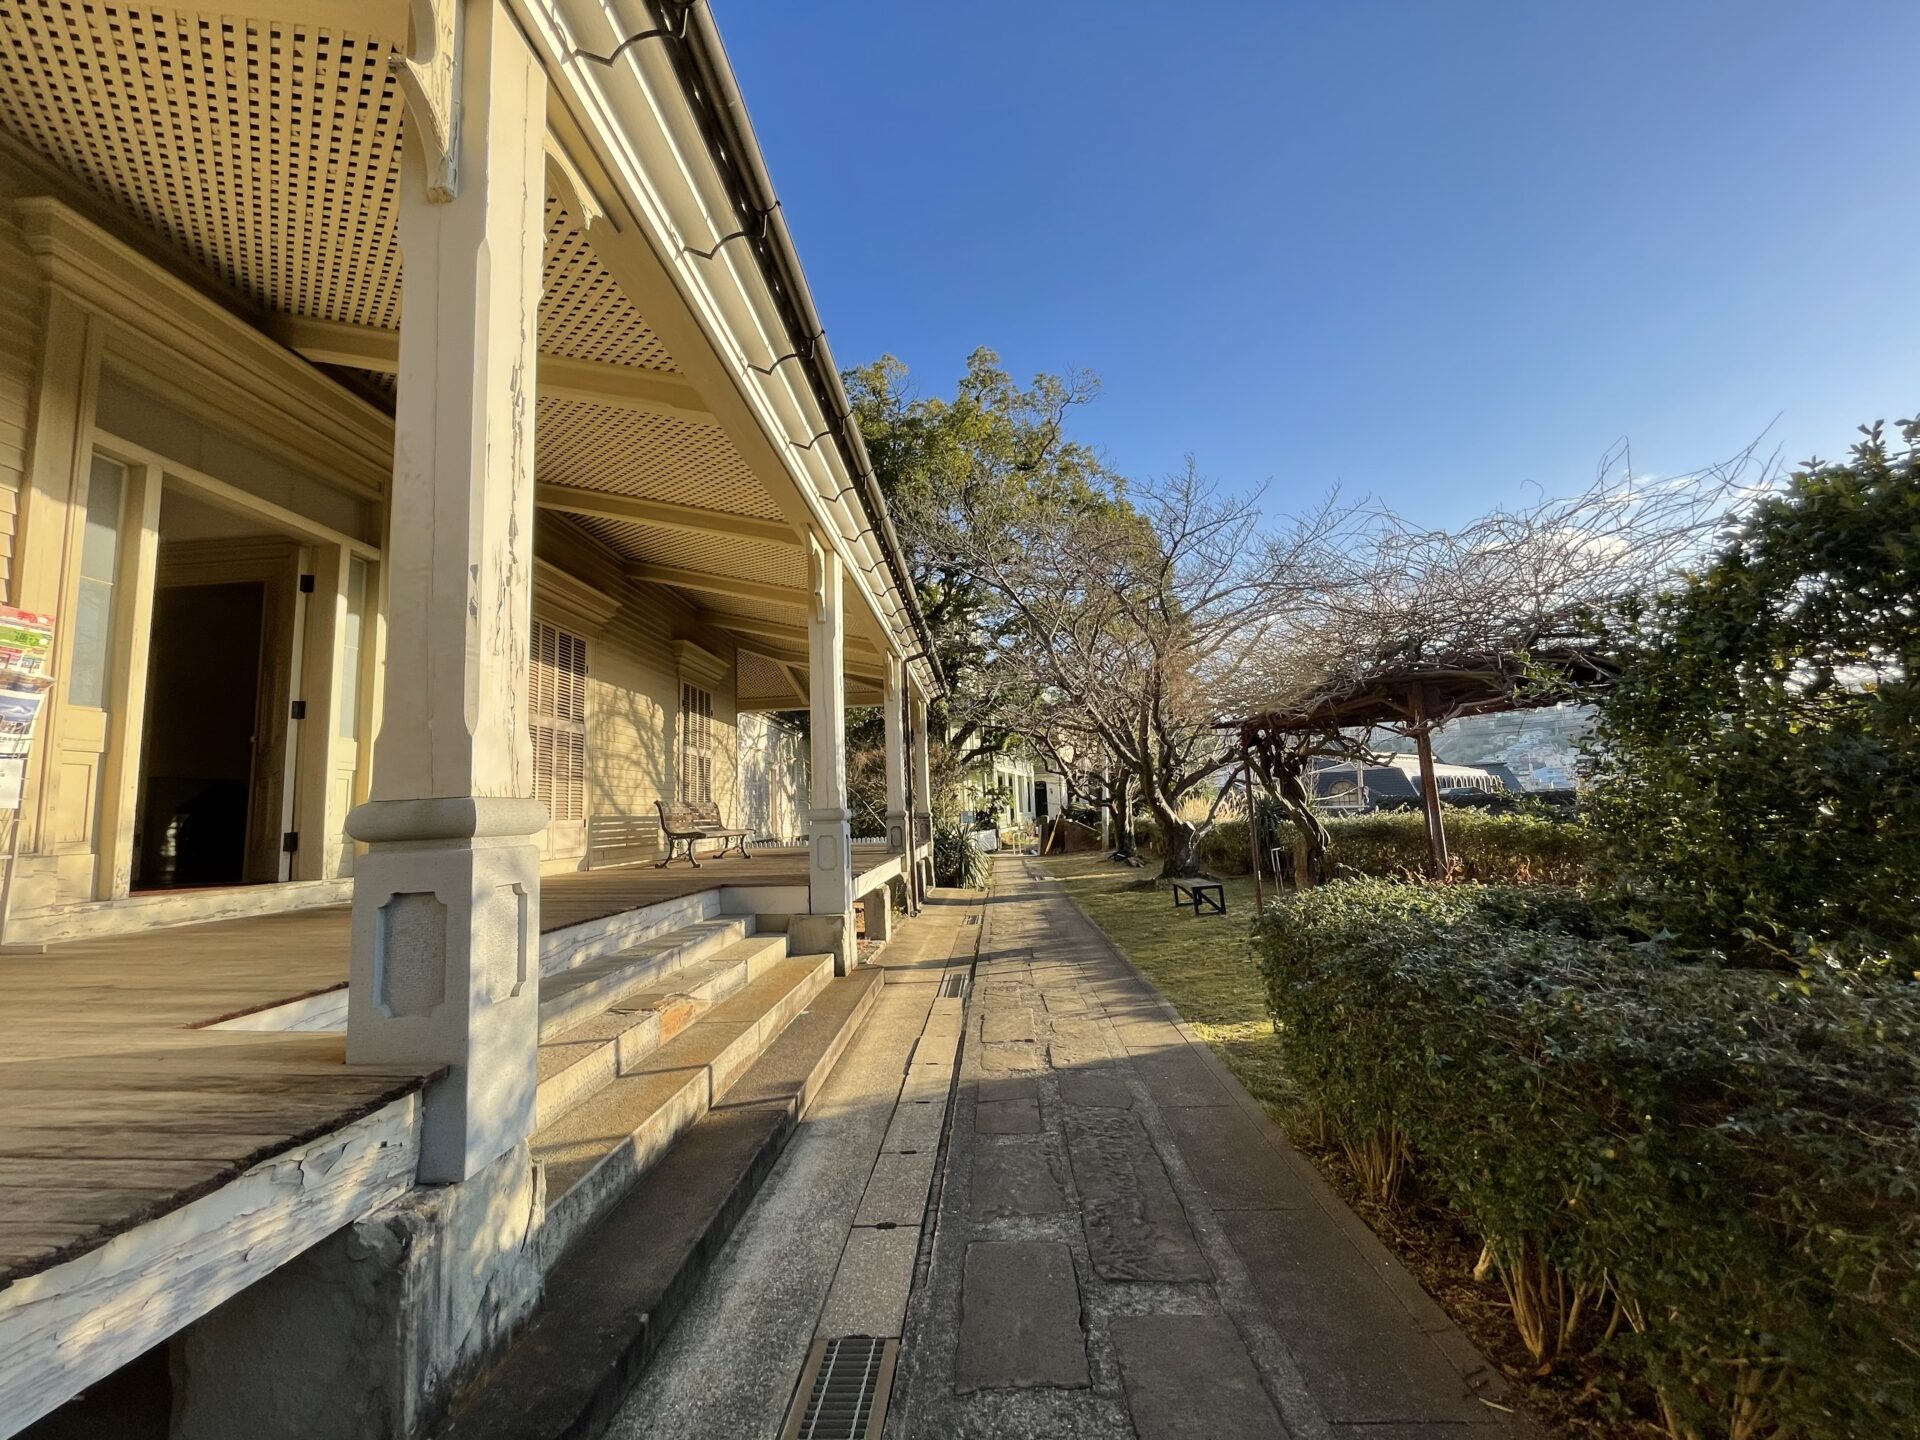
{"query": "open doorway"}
[(216, 773)]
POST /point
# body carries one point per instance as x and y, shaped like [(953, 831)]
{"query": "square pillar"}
[(446, 902), (878, 907), (899, 823), (830, 878), (922, 788)]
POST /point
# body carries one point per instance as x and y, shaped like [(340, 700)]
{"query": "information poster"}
[(26, 649)]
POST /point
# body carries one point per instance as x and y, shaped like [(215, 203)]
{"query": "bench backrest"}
[(617, 839), (706, 812), (677, 818)]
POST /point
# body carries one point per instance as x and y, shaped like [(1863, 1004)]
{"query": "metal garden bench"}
[(1201, 891), (684, 823)]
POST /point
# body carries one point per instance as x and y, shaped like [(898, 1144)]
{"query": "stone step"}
[(592, 1154), (610, 1301), (568, 997), (582, 1059)]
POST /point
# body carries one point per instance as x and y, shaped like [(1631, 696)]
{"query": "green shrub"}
[(957, 857), (1756, 768), (1223, 849), (1512, 849), (1715, 1167)]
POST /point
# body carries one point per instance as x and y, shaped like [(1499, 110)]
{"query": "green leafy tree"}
[(1756, 770), (994, 454)]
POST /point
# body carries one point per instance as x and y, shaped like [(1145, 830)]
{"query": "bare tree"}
[(1130, 617), (1512, 583)]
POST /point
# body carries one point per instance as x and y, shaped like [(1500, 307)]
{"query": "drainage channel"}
[(847, 1381), (847, 1384)]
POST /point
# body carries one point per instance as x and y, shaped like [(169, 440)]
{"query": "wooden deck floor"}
[(114, 1109)]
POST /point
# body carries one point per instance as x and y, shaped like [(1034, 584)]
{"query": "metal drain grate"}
[(844, 1389), (953, 987)]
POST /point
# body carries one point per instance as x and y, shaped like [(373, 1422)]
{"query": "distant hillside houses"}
[(1539, 749)]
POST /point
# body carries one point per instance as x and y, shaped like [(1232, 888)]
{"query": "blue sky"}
[(1427, 251)]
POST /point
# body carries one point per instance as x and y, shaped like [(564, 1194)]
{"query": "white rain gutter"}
[(686, 165)]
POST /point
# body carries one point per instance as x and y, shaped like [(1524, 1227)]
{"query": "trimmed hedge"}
[(1510, 849), (1514, 849), (1710, 1172)]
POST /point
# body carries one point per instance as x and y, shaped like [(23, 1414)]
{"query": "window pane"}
[(93, 604)]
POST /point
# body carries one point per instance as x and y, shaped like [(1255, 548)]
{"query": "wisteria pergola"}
[(1415, 698)]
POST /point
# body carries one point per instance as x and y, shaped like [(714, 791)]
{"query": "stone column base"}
[(446, 970), (373, 1330)]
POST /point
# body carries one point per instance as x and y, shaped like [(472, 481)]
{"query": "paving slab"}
[(995, 1088), (1230, 1158), (915, 1128), (1136, 1228), (1008, 1025), (1007, 1117), (1019, 1318), (1018, 1059), (1015, 1177), (1188, 1377), (1102, 1088), (869, 1294), (896, 1192), (1180, 1077), (1364, 1358)]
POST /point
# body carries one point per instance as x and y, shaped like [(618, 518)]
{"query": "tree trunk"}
[(1121, 801), (1179, 844)]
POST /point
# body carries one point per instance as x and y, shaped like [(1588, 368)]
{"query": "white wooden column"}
[(830, 886), (899, 822), (922, 786), (446, 902)]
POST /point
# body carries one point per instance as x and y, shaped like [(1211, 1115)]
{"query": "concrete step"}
[(610, 1301), (577, 1061), (575, 945), (568, 997), (592, 1154)]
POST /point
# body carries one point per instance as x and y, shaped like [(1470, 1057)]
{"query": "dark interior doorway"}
[(198, 753)]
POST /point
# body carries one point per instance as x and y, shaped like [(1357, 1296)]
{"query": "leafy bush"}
[(957, 857), (1756, 770), (1518, 849), (1710, 1171), (1223, 849)]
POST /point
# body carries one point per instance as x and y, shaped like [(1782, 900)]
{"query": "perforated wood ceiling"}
[(762, 682), (584, 314), (656, 457), (742, 559), (266, 152)]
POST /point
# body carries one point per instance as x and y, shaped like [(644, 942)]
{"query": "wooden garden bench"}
[(707, 814), (684, 823), (1201, 891)]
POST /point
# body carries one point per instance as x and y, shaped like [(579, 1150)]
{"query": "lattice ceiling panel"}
[(655, 457), (710, 554), (267, 152), (584, 314), (759, 678), (722, 608)]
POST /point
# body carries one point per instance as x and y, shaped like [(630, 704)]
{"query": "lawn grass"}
[(1204, 965)]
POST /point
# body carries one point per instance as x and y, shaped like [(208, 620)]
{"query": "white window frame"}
[(695, 778), (557, 724)]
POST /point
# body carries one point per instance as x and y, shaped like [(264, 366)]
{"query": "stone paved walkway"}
[(1123, 1245)]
